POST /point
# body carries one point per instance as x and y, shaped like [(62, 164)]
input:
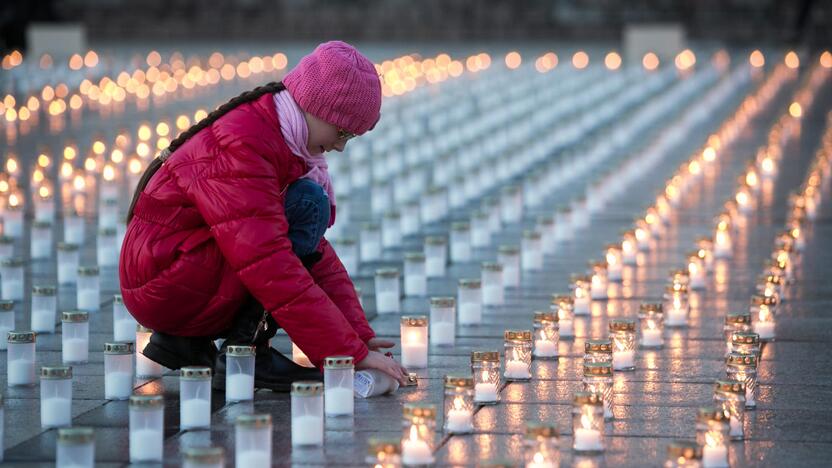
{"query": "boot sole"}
[(164, 357)]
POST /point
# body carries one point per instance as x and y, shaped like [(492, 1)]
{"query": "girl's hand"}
[(377, 343), (386, 364)]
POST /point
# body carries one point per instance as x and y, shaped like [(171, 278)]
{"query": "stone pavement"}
[(653, 405)]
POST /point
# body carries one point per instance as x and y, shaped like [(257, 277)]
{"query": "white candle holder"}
[(118, 371), (6, 247), (11, 279), (146, 428), (195, 398), (145, 367), (651, 318), (459, 404), (442, 321), (723, 244), (599, 350), (563, 223), (762, 311), (469, 294), (531, 247), (683, 454), (735, 321), (546, 227), (106, 248), (381, 195), (697, 272), (545, 335), (485, 367), (391, 235), (743, 368), (491, 205), (599, 284), (654, 223), (509, 257), (239, 373), (492, 284), (460, 242), (253, 440), (643, 235), (730, 396), (588, 423), (20, 367), (705, 251), (307, 414), (518, 355), (44, 309), (623, 336), (347, 249), (124, 325), (629, 248), (40, 247), (511, 204), (712, 436), (75, 447), (411, 222), (339, 372), (13, 220), (204, 457), (384, 452), (88, 292), (6, 322), (75, 336), (68, 262), (388, 294), (415, 279), (436, 256), (615, 262), (419, 433), (564, 307), (44, 208), (55, 397), (598, 380), (676, 306), (580, 286), (480, 232), (414, 341), (74, 228), (108, 214), (370, 242)]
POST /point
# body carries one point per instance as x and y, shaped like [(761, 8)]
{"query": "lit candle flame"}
[(43, 191), (109, 173), (79, 183), (538, 458), (14, 200), (586, 421), (414, 433), (459, 403)]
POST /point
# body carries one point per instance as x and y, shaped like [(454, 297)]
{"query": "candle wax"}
[(587, 440), (195, 412), (511, 276), (88, 299), (43, 321), (442, 333), (68, 273), (581, 306), (338, 401), (697, 281), (254, 459), (435, 267), (21, 372), (124, 330), (485, 392), (545, 348), (492, 295), (416, 452), (623, 360), (415, 355), (12, 289), (145, 445), (75, 349), (532, 260), (239, 387), (415, 285), (459, 421), (651, 337), (460, 252), (40, 248), (107, 256), (736, 428), (307, 430), (55, 412), (715, 457), (470, 313), (387, 302), (517, 370), (118, 385), (764, 329), (614, 272), (598, 291), (566, 328), (677, 317)]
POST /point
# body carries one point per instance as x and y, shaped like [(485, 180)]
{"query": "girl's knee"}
[(307, 211)]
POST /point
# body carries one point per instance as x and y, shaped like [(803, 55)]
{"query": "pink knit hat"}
[(338, 85)]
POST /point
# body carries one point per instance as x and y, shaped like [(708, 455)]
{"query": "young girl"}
[(225, 230)]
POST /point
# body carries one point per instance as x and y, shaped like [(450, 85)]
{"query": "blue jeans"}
[(307, 211)]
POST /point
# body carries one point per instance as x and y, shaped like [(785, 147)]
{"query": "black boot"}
[(176, 352), (272, 370)]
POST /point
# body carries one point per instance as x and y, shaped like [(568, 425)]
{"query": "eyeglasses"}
[(345, 135)]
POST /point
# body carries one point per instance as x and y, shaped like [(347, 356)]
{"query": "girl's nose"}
[(339, 145)]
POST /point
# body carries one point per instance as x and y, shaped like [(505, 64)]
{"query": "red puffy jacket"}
[(210, 227)]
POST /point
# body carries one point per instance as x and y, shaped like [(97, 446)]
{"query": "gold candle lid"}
[(460, 226), (536, 430), (588, 398), (417, 257), (339, 362), (118, 348), (651, 307), (470, 283), (205, 455), (44, 290), (531, 234), (107, 231), (239, 350), (255, 421), (75, 316), (387, 273), (603, 345), (575, 279), (12, 262), (558, 299), (741, 359), (419, 410), (546, 219), (614, 247), (42, 225), (730, 386), (748, 338), (75, 435), (370, 227), (195, 373), (489, 356), (392, 214), (709, 413), (6, 305), (414, 321), (435, 240), (738, 318), (545, 316), (492, 266), (763, 300), (627, 325), (676, 289), (8, 240), (307, 388), (147, 401), (388, 446), (88, 270), (508, 250), (517, 335), (454, 381), (348, 241), (597, 369), (442, 301), (597, 265), (57, 372), (684, 449), (412, 380), (20, 337), (774, 279)]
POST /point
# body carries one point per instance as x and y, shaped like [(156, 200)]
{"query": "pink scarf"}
[(296, 133)]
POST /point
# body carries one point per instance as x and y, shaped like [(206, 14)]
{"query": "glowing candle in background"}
[(485, 367), (729, 395), (518, 354), (629, 248), (651, 317), (697, 272), (419, 426), (623, 336), (541, 446), (615, 262), (598, 281), (743, 368), (580, 293), (459, 404), (683, 454), (597, 378), (762, 312), (588, 423), (676, 306), (384, 452), (545, 329), (564, 306), (712, 436)]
